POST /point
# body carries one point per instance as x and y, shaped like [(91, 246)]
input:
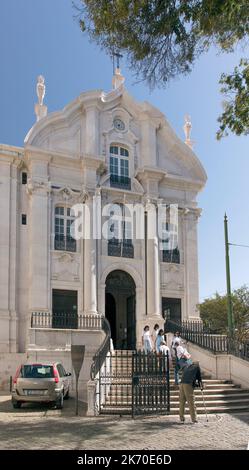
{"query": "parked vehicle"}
[(41, 383)]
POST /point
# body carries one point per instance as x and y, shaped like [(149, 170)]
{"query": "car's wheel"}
[(59, 402), (16, 404), (67, 395)]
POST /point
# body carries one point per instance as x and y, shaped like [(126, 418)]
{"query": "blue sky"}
[(42, 37)]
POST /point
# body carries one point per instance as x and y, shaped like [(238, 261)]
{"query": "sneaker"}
[(194, 422)]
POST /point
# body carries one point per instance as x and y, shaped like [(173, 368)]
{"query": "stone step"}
[(212, 397), (122, 382), (175, 403), (175, 410)]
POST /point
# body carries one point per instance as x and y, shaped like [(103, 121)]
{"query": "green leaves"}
[(235, 87), (213, 312), (163, 38)]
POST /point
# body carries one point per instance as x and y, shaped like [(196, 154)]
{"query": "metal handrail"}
[(196, 332), (104, 349)]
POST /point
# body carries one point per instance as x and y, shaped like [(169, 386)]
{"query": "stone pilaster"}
[(8, 252), (153, 278), (39, 189), (191, 264), (89, 261)]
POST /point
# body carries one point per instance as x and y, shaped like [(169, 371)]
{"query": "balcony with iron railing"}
[(171, 256), (124, 248), (66, 320), (64, 243), (121, 182)]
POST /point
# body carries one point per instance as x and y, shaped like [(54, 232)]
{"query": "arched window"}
[(119, 167), (62, 223)]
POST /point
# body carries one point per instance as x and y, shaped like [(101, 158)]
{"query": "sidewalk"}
[(37, 427)]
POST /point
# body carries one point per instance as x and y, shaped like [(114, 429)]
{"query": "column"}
[(89, 262), (8, 217), (153, 278), (152, 261), (14, 268), (191, 265), (39, 236)]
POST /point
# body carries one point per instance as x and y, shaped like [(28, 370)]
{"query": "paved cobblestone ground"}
[(38, 427)]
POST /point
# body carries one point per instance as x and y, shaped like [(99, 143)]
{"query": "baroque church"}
[(54, 289)]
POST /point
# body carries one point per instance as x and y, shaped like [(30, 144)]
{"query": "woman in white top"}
[(146, 340), (154, 335)]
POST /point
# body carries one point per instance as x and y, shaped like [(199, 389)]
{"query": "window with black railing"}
[(122, 248), (171, 256), (64, 243), (119, 181), (63, 239), (119, 167), (120, 229)]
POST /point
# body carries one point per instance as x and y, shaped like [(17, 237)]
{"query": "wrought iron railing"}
[(199, 334), (171, 256), (133, 382), (123, 248), (100, 356), (122, 182), (66, 320), (64, 243)]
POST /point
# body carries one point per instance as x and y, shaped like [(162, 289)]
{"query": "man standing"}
[(182, 358), (191, 378)]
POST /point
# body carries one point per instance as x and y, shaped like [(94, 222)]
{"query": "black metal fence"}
[(132, 383), (150, 383), (171, 256), (66, 320), (123, 248), (197, 333), (118, 181), (65, 243)]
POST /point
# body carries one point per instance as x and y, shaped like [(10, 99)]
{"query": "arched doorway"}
[(120, 309)]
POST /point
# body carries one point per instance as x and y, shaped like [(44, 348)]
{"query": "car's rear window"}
[(36, 372)]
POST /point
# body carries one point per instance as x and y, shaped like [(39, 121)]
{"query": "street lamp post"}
[(229, 297)]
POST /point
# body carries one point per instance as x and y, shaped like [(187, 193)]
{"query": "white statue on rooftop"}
[(187, 130), (40, 108), (40, 89)]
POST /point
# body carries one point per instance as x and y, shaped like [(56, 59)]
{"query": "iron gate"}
[(133, 383), (150, 384)]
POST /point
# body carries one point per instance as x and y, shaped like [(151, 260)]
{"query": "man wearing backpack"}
[(182, 358), (191, 378)]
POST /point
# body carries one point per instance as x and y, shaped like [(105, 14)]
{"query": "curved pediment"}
[(66, 132)]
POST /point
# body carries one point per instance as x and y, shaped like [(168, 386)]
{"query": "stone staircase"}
[(221, 396)]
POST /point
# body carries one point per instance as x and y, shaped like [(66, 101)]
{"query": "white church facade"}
[(126, 152)]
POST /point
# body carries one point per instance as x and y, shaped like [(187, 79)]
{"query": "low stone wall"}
[(9, 362), (51, 345), (221, 366), (54, 345)]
